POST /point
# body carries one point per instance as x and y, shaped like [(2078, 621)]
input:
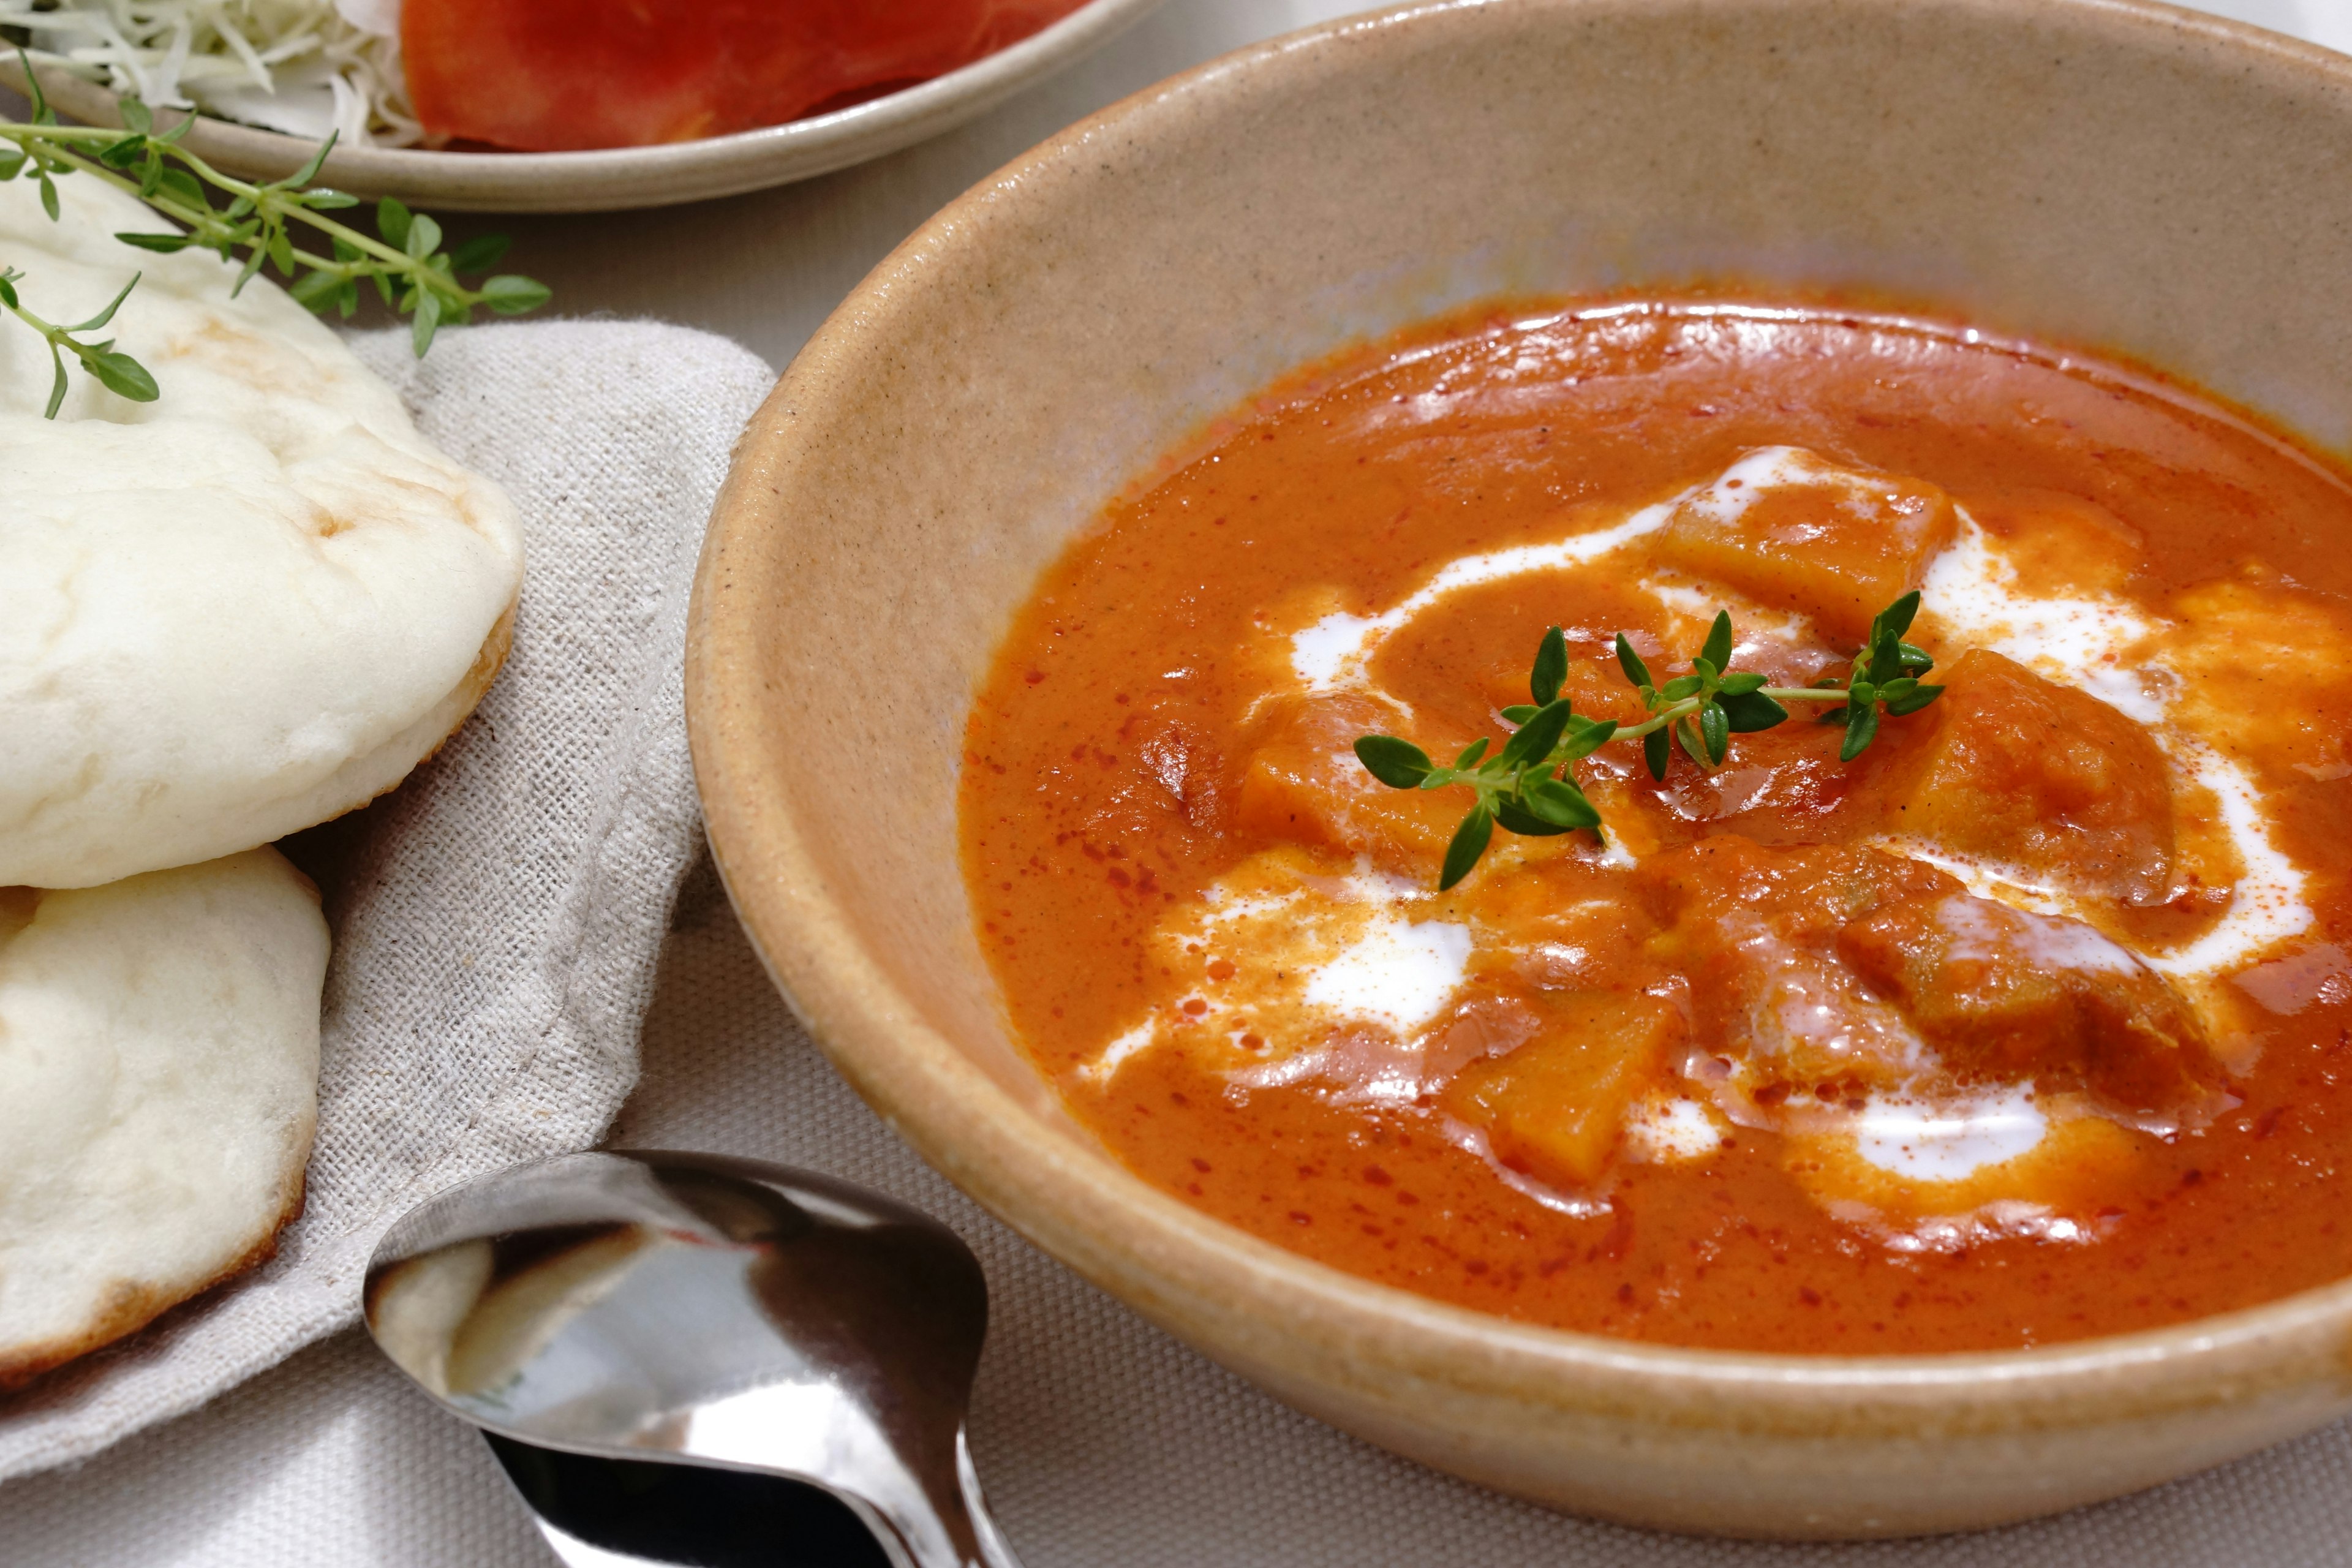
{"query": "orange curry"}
[(2028, 1023)]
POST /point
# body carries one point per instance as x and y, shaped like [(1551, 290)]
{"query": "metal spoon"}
[(693, 1310)]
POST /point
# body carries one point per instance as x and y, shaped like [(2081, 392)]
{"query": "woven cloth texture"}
[(1103, 1443), (498, 918)]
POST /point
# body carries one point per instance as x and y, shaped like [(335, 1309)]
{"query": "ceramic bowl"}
[(2103, 171), (634, 176)]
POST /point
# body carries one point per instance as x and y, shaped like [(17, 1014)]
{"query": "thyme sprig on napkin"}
[(403, 260), (1529, 785)]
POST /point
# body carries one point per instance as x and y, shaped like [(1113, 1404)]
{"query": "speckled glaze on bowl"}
[(2095, 171), (621, 177)]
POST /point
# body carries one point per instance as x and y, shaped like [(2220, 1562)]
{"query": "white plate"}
[(622, 178)]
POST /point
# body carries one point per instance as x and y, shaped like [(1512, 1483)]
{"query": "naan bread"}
[(159, 1065), (226, 615)]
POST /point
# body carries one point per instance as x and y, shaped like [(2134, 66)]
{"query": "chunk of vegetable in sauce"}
[(1814, 539), (2006, 993), (1556, 1106), (1302, 782), (2042, 779), (2028, 1024)]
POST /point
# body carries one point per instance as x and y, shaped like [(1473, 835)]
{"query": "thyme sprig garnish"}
[(1529, 785), (116, 370), (404, 261)]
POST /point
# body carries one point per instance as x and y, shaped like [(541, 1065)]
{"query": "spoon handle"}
[(578, 1553), (937, 1524), (996, 1552)]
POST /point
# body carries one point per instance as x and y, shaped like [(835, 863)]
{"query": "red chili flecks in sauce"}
[(1649, 1093)]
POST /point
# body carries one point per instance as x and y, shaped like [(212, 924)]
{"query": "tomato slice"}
[(546, 75)]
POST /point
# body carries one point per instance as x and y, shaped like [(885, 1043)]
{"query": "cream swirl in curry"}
[(2021, 1025)]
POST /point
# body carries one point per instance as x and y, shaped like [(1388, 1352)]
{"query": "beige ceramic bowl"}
[(635, 176), (2105, 171)]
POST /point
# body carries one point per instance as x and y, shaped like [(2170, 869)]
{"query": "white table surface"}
[(1132, 1451)]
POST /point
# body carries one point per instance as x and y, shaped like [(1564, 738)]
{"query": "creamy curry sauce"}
[(2028, 1023)]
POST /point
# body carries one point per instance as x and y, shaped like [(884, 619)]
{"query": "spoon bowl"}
[(695, 1309)]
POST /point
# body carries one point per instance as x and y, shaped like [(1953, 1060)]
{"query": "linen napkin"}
[(497, 919)]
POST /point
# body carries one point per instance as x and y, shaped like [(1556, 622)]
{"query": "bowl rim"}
[(737, 162), (1095, 1215)]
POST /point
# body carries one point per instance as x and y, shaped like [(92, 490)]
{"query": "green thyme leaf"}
[(1584, 737), (1630, 662), (252, 265), (1519, 712), (1717, 648), (1918, 696), (1550, 668), (1562, 804), (1656, 751), (1714, 734), (513, 296), (1748, 712), (1399, 764), (480, 254), (1520, 819), (1896, 619), (427, 319), (95, 323), (317, 289), (1469, 843), (1861, 728), (423, 237), (392, 221), (122, 375), (1886, 661), (1883, 654), (1471, 753), (1534, 740), (1692, 747), (310, 171)]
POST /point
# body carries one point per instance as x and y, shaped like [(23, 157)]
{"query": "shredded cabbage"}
[(303, 67)]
